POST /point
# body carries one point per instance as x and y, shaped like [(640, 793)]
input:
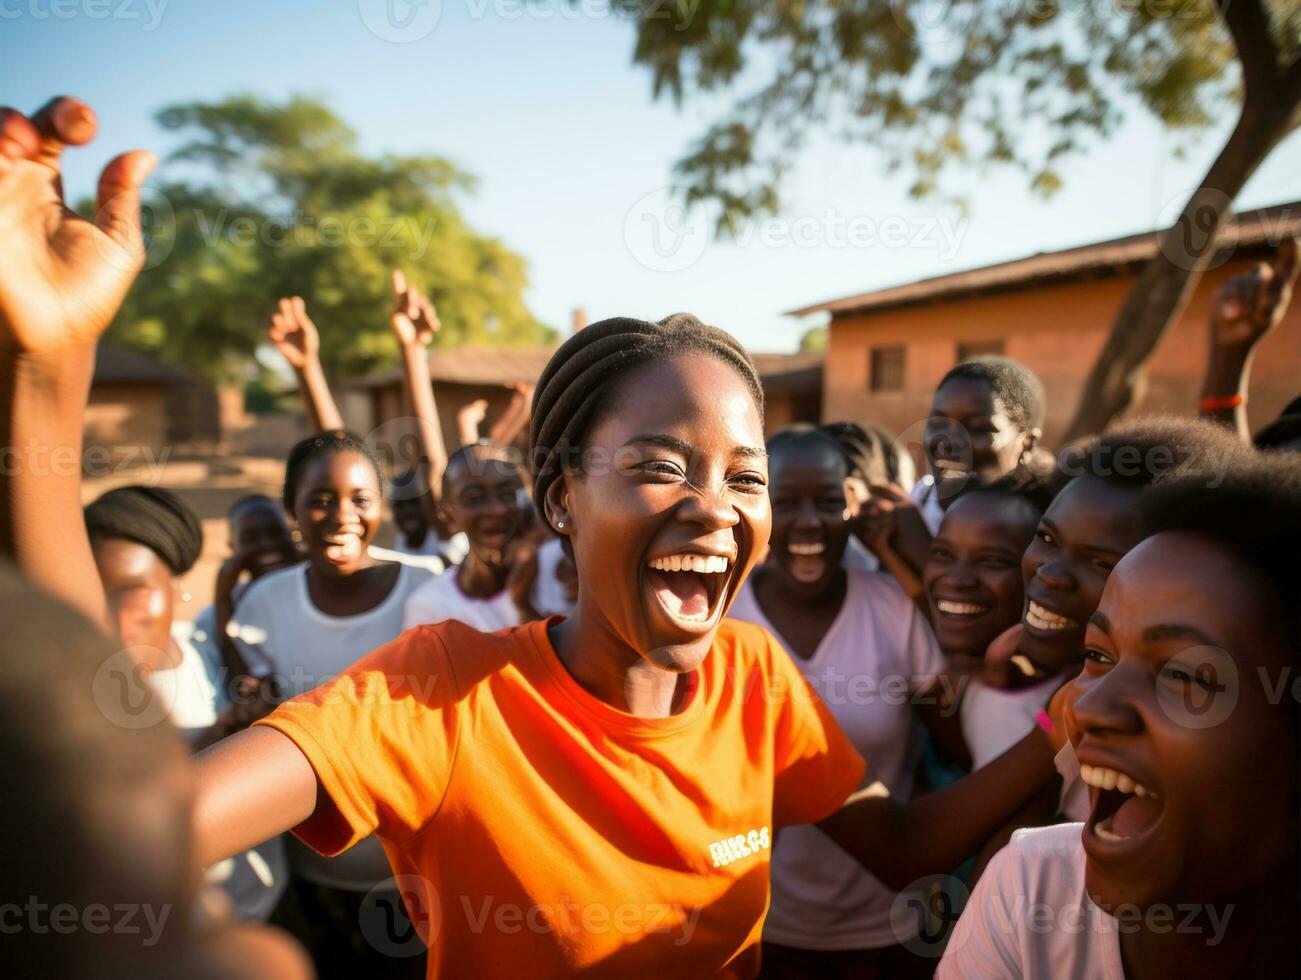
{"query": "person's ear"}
[(856, 494), (1030, 440), (556, 506)]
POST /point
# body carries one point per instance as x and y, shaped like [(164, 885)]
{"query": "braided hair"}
[(578, 383), (323, 444), (153, 517)]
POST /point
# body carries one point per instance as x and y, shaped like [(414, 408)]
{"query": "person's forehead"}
[(811, 459), (992, 509), (970, 396), (695, 396), (1186, 577), (345, 465), (127, 557)]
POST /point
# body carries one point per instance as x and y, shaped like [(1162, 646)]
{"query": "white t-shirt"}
[(455, 548), (857, 556), (994, 719), (280, 631), (255, 879), (1031, 918), (877, 651), (431, 563), (441, 598), (549, 596)]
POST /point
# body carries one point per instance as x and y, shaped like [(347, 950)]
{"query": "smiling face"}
[(969, 436), (1085, 531), (260, 538), (806, 485), (338, 506), (482, 495), (664, 535), (140, 589), (972, 577), (1193, 765)]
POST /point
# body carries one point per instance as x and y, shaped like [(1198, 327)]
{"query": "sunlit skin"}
[(802, 593), (687, 471), (339, 507), (1184, 621), (975, 561), (1089, 527), (482, 497), (970, 439), (141, 593)]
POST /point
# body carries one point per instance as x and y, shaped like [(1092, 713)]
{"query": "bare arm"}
[(468, 419), (62, 279), (249, 788), (901, 842), (506, 428), (295, 336), (414, 323), (1244, 311)]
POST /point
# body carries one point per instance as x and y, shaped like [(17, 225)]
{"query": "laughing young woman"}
[(593, 795), (1187, 862)]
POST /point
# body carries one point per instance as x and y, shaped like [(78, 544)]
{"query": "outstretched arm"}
[(62, 279), (249, 788), (295, 336), (414, 323), (901, 842), (1244, 310)]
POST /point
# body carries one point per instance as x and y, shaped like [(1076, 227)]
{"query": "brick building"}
[(1052, 311)]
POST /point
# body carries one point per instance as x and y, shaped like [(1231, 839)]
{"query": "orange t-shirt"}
[(537, 831)]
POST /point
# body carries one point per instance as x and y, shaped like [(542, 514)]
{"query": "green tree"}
[(943, 85), (813, 340), (265, 200)]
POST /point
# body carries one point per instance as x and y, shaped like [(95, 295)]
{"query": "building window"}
[(885, 369), (979, 348)]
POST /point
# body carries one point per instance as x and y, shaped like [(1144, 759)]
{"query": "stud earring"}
[(559, 525)]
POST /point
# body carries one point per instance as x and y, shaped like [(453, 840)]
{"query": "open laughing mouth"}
[(961, 612), (342, 547), (1047, 621), (689, 587), (1124, 813), (805, 560)]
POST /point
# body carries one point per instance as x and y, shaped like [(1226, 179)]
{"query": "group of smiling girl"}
[(707, 765)]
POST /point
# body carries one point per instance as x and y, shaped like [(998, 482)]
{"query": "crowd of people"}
[(646, 691)]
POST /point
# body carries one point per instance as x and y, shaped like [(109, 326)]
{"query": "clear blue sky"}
[(570, 151)]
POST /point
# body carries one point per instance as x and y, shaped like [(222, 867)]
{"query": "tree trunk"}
[(1185, 249)]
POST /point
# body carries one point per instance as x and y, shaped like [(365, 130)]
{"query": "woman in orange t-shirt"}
[(599, 794)]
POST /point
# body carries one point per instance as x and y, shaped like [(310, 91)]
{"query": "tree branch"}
[(1248, 25)]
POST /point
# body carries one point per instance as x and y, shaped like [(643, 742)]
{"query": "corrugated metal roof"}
[(1252, 232)]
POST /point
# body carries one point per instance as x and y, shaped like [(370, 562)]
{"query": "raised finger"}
[(399, 283), (63, 121), (300, 309), (18, 137)]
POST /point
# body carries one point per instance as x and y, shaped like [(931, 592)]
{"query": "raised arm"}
[(62, 279), (295, 336), (468, 419), (516, 416), (901, 842), (414, 323), (1244, 310), (249, 788)]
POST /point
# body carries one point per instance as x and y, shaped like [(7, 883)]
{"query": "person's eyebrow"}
[(1176, 631), (666, 441), (751, 452), (1100, 621)]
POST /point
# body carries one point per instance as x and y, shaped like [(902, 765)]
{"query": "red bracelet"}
[(1213, 403)]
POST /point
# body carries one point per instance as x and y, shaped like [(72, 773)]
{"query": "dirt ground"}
[(209, 484)]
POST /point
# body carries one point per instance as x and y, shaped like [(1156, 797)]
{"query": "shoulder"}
[(272, 587), (1046, 862), (744, 641)]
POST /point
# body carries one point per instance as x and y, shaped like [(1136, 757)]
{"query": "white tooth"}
[(1124, 783), (675, 563), (1086, 774), (1106, 834), (1140, 789), (1109, 779), (699, 564)]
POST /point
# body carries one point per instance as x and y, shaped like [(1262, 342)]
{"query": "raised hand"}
[(414, 319), (1248, 306), (62, 277), (294, 334)]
